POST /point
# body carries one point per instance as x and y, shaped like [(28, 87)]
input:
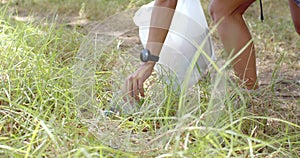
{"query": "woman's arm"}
[(161, 18)]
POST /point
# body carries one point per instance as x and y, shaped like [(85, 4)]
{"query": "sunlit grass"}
[(38, 113)]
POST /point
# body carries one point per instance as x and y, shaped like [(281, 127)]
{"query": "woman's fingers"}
[(134, 87), (126, 89), (134, 83), (141, 88), (135, 90)]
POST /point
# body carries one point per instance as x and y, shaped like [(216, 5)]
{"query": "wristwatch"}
[(147, 56)]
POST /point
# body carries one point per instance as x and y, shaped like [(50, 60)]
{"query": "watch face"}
[(145, 55)]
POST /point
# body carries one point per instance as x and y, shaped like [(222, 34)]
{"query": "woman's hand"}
[(160, 22), (134, 82)]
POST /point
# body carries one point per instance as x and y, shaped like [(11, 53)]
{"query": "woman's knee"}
[(216, 11), (223, 8)]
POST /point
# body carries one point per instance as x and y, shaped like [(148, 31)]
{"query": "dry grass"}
[(40, 40)]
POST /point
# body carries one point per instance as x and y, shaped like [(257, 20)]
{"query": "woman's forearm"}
[(161, 19)]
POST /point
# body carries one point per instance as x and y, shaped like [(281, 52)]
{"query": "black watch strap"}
[(147, 56), (153, 58)]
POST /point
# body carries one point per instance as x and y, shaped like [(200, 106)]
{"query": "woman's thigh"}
[(228, 7)]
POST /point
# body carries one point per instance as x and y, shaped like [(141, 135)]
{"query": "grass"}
[(38, 108)]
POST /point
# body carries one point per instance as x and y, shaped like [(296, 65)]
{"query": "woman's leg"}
[(235, 36), (295, 12)]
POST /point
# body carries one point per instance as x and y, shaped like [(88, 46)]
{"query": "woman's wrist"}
[(150, 63), (154, 47)]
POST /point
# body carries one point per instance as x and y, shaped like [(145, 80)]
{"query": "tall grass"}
[(38, 114), (38, 111)]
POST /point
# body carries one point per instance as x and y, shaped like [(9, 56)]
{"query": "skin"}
[(157, 35), (235, 35), (295, 12), (232, 30)]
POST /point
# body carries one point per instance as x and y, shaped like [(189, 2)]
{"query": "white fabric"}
[(187, 31)]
